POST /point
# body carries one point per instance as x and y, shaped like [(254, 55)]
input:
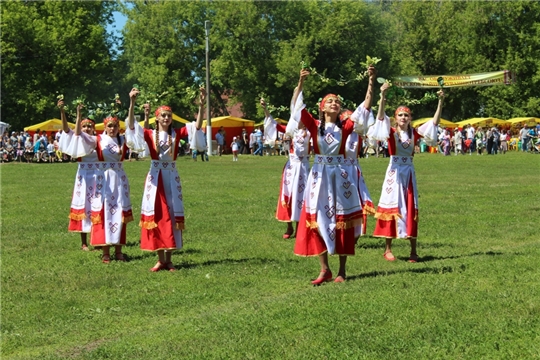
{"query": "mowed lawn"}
[(241, 293)]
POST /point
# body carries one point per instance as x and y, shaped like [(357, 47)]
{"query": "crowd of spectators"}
[(488, 140), (20, 146)]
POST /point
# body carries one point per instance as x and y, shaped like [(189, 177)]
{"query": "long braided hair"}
[(322, 117)]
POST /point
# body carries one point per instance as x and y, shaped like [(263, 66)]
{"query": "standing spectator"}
[(397, 212), (51, 152), (480, 139), (505, 137), (162, 209), (234, 148), (470, 136), (458, 140), (524, 136), (36, 136), (496, 140), (252, 142), (220, 139), (259, 141), (245, 142), (446, 141), (489, 141)]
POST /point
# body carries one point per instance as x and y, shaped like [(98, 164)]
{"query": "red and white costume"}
[(110, 205), (295, 172), (162, 210), (83, 191), (397, 211), (332, 207)]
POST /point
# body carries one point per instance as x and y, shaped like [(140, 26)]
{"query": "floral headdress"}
[(162, 108), (109, 119), (88, 121), (402, 109), (328, 96)]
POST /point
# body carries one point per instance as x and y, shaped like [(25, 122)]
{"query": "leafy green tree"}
[(49, 47)]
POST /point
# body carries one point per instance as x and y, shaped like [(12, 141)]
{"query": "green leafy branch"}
[(148, 97), (396, 96), (272, 108), (342, 81)]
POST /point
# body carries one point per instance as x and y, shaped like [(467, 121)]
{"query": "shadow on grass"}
[(434, 258), (425, 270), (224, 261)]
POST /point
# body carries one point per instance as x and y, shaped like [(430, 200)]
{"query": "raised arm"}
[(146, 123), (303, 75), (79, 118), (382, 104), (131, 112), (263, 105), (438, 112), (202, 98), (369, 94), (65, 126)]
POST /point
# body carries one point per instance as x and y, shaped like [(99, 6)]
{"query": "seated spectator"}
[(19, 150), (28, 150)]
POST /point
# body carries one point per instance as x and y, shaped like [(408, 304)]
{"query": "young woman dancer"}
[(85, 180), (332, 207), (397, 212), (295, 171), (111, 205), (162, 211)]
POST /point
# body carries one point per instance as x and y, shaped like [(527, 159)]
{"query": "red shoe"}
[(389, 256), (286, 236), (169, 266), (326, 276), (106, 259), (340, 279), (413, 258), (120, 257), (158, 266)]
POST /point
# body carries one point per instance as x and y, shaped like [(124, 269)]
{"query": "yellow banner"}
[(503, 77)]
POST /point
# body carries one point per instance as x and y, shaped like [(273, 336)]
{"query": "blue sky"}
[(119, 22)]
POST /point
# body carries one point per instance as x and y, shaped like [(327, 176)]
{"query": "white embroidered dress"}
[(111, 204), (84, 188), (397, 211), (162, 209)]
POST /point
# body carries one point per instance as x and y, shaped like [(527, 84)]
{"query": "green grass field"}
[(241, 293)]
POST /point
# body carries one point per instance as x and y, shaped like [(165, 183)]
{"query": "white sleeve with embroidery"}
[(270, 130), (363, 119), (80, 145), (429, 131), (380, 130), (135, 138)]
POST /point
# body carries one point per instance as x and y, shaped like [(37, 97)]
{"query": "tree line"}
[(257, 48)]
